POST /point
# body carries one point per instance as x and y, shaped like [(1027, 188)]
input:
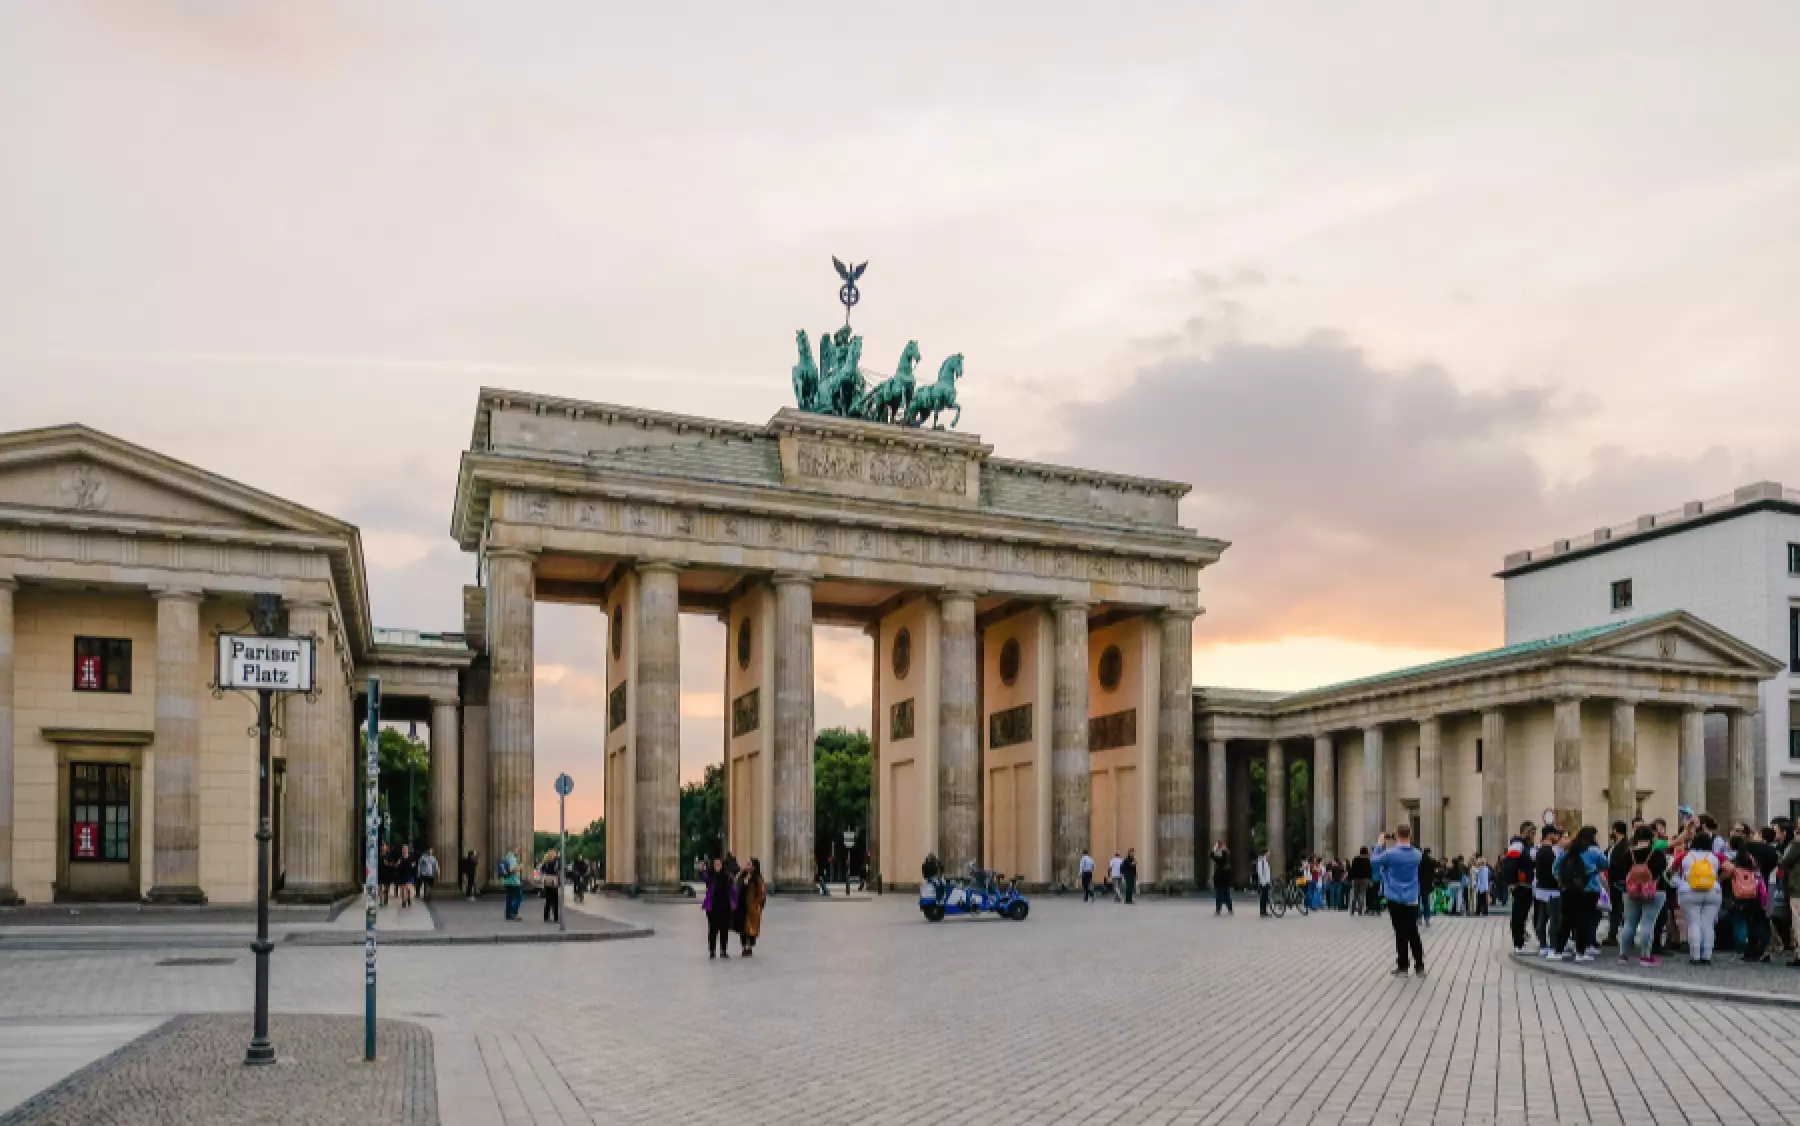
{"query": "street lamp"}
[(849, 843)]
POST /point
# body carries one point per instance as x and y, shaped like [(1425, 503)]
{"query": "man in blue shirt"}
[(1397, 867)]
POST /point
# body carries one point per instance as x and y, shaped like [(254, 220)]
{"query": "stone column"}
[(1237, 832), (1690, 790), (1496, 824), (793, 762), (1742, 750), (1324, 788), (1431, 786), (179, 683), (1566, 764), (446, 783), (872, 835), (475, 732), (511, 757), (1374, 785), (1070, 793), (656, 794), (1277, 808), (1218, 791), (959, 743), (8, 894), (312, 848), (1175, 753), (1621, 764)]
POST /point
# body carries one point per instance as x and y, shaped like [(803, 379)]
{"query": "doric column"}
[(1175, 752), (475, 732), (1743, 766), (511, 756), (1690, 788), (1324, 788), (657, 749), (959, 744), (872, 836), (1374, 785), (313, 826), (1566, 764), (1218, 793), (1496, 825), (1070, 794), (1431, 785), (1277, 807), (179, 681), (8, 894), (793, 763), (1621, 763), (446, 781)]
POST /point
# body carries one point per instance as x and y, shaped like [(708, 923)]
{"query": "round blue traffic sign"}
[(565, 785)]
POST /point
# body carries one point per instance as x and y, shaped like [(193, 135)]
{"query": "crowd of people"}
[(1462, 887)]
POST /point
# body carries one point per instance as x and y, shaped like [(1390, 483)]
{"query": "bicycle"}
[(1288, 894)]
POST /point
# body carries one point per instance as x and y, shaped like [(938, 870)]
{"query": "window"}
[(1794, 558), (1480, 842), (102, 664), (1794, 743), (1794, 638), (1478, 765), (99, 812), (1418, 762), (1621, 594)]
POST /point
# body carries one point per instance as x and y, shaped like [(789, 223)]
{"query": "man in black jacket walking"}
[(1518, 872), (1361, 871)]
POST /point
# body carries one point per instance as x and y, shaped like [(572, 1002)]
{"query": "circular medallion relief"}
[(1009, 662), (618, 629), (902, 653), (743, 644), (1112, 668)]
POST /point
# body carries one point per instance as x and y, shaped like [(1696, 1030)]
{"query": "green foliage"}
[(405, 787), (1299, 807), (841, 773), (702, 817)]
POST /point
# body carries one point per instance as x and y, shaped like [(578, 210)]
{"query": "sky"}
[(1399, 287)]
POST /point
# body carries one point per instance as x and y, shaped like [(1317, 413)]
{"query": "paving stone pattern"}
[(1084, 1013), (190, 1072)]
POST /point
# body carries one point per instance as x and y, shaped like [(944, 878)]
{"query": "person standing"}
[(1115, 878), (720, 902), (1428, 874), (514, 885), (1128, 873), (1087, 876), (550, 869), (406, 873), (1361, 870), (468, 868), (1696, 876), (1483, 878), (1643, 897), (754, 893), (1518, 872), (384, 867), (1221, 877), (1546, 896), (1397, 864), (1264, 881), (428, 874), (578, 877), (1578, 875), (1790, 876), (1618, 866)]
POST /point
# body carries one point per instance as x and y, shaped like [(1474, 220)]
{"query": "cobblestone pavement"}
[(862, 1013), (190, 1072)]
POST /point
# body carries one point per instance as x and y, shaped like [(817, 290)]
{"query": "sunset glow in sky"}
[(1399, 287)]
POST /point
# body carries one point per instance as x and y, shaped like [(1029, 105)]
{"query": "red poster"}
[(87, 840), (87, 673)]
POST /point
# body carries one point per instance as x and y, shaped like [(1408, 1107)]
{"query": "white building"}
[(1733, 561)]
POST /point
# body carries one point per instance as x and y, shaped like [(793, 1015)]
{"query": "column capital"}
[(1071, 604), (1495, 709), (524, 553), (658, 567), (1694, 709), (792, 578), (956, 594), (177, 593), (1567, 696), (1173, 613)]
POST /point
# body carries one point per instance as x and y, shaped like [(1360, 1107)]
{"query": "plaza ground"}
[(860, 1012)]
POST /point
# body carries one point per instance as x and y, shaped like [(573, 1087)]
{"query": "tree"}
[(841, 773), (703, 817), (405, 787), (1299, 807)]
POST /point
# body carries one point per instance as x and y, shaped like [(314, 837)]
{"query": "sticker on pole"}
[(279, 664), (565, 785)]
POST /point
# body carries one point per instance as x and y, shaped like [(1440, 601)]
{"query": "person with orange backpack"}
[(1749, 894), (1696, 879), (1643, 897)]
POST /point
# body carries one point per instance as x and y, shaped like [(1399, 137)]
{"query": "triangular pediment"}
[(1683, 639), (83, 474)]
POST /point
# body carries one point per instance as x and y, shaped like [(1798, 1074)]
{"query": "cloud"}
[(1362, 501)]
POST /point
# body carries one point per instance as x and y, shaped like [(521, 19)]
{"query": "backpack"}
[(1701, 876), (1743, 882), (1574, 874), (1639, 883)]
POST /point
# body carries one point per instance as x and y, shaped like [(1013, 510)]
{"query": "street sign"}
[(278, 664), (565, 785)]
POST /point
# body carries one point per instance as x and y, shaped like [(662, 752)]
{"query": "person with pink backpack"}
[(1643, 897)]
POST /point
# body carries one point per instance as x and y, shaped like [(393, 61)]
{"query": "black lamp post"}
[(266, 616)]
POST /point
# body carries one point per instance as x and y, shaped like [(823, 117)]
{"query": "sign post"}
[(371, 860), (268, 664), (565, 785)]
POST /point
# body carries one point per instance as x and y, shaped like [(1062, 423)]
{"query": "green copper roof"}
[(1524, 648)]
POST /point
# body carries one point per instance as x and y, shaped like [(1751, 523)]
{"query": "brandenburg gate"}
[(1032, 626)]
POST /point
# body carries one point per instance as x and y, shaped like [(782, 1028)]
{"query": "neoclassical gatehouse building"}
[(1031, 628)]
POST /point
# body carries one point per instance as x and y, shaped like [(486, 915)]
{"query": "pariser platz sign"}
[(278, 664)]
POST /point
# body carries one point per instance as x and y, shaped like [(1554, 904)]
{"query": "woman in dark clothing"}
[(1221, 878), (1129, 871), (550, 868), (720, 904)]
